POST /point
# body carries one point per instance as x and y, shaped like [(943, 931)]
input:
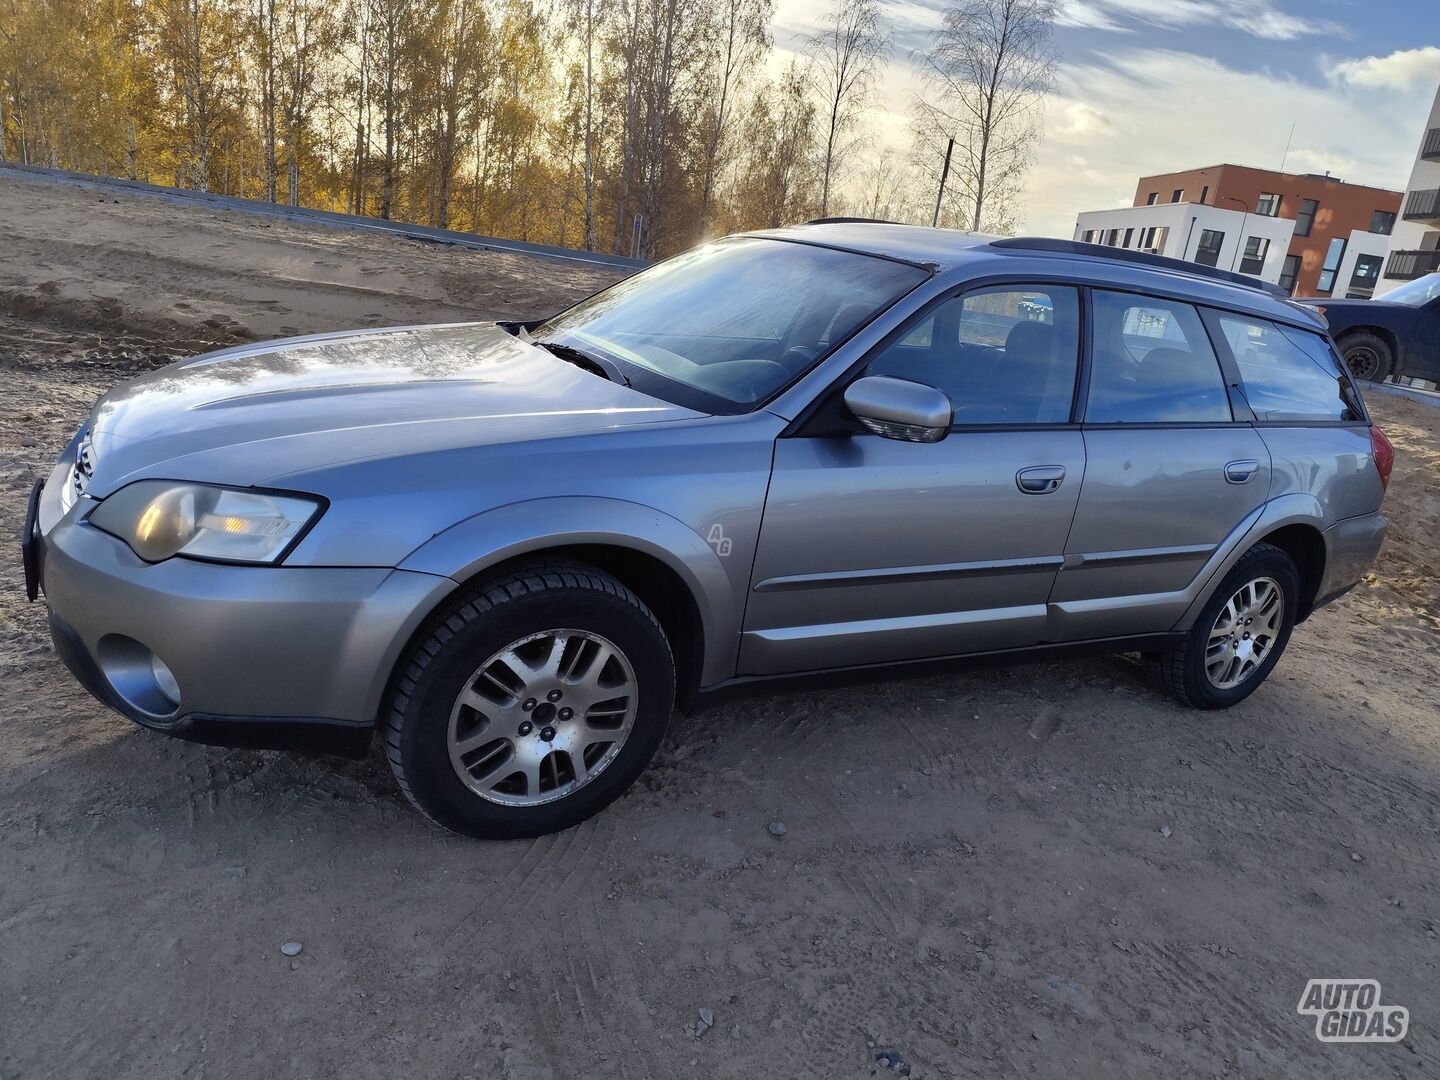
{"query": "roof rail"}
[(1140, 258), (852, 221)]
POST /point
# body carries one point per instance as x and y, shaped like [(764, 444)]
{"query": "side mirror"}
[(900, 409)]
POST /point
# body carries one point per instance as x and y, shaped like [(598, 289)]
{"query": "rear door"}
[(874, 550), (1170, 474)]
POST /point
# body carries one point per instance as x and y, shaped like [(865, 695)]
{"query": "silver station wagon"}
[(841, 450)]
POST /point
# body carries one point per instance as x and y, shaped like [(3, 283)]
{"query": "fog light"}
[(141, 679), (165, 679)]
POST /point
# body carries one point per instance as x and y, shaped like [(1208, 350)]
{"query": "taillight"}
[(1384, 454)]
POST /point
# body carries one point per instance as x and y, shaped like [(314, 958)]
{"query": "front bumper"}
[(261, 656)]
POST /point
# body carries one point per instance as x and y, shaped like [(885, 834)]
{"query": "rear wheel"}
[(1239, 636), (1368, 357), (532, 703)]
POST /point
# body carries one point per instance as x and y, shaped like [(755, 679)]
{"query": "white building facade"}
[(1415, 242), (1210, 235)]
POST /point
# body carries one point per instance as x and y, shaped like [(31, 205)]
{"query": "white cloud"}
[(1260, 18), (1080, 119), (1128, 115), (1404, 69)]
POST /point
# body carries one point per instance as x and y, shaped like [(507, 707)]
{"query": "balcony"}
[(1408, 265), (1430, 148), (1423, 206)]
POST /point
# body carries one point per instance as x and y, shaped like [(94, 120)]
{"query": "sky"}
[(1152, 86)]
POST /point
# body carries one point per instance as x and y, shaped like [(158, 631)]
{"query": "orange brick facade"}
[(1342, 207)]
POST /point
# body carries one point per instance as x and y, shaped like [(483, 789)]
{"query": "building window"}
[(1208, 252), (1177, 194), (1204, 191), (1153, 239), (1333, 256), (1305, 220), (1256, 248), (1111, 237), (1268, 206), (1150, 199), (1367, 271), (1129, 235), (1382, 221), (1088, 236), (1289, 272)]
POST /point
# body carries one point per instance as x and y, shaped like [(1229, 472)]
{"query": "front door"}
[(1169, 474), (875, 550)]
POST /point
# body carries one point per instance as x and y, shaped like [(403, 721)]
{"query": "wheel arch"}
[(662, 560), (1305, 544), (1295, 523)]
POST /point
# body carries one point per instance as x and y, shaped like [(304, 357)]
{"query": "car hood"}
[(253, 414)]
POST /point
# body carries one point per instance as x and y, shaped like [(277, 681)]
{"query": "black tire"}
[(1180, 671), (484, 620), (1368, 356)]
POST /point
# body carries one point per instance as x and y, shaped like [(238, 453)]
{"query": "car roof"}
[(961, 256)]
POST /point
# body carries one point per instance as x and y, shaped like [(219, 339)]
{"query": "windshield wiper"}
[(597, 365)]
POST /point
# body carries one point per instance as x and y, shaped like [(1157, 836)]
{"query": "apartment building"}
[(1414, 248), (1312, 235)]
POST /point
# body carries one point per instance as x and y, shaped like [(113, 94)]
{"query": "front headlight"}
[(163, 518)]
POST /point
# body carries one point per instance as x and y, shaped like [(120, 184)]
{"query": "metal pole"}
[(1244, 217), (944, 175)]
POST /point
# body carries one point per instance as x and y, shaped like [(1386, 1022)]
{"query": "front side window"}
[(725, 326), (1268, 205), (1152, 364), (1288, 374), (1208, 251), (1334, 254), (1006, 355), (1305, 219), (1256, 248)]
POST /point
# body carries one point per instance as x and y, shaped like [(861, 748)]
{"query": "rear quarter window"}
[(1287, 374)]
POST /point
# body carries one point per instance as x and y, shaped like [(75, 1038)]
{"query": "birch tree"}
[(987, 71), (848, 54)]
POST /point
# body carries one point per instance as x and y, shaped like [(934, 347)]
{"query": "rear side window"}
[(1288, 374), (1152, 364), (1003, 355)]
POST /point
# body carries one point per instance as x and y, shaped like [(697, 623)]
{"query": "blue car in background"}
[(1398, 334)]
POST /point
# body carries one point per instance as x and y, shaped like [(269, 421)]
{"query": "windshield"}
[(724, 327), (1416, 293)]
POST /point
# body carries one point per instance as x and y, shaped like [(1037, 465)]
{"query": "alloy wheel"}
[(1244, 632), (542, 717)]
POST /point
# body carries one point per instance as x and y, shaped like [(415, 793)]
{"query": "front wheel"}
[(1239, 636), (1368, 357), (531, 703)]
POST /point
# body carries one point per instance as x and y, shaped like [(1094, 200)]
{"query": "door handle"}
[(1237, 472), (1040, 479)]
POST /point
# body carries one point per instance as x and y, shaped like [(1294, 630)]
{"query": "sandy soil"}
[(1044, 870)]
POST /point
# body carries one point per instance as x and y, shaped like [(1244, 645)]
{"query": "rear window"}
[(1152, 364), (1288, 374)]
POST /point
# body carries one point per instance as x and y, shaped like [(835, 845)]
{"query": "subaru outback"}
[(834, 451)]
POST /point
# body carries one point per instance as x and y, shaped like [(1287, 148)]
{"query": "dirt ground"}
[(1026, 871)]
